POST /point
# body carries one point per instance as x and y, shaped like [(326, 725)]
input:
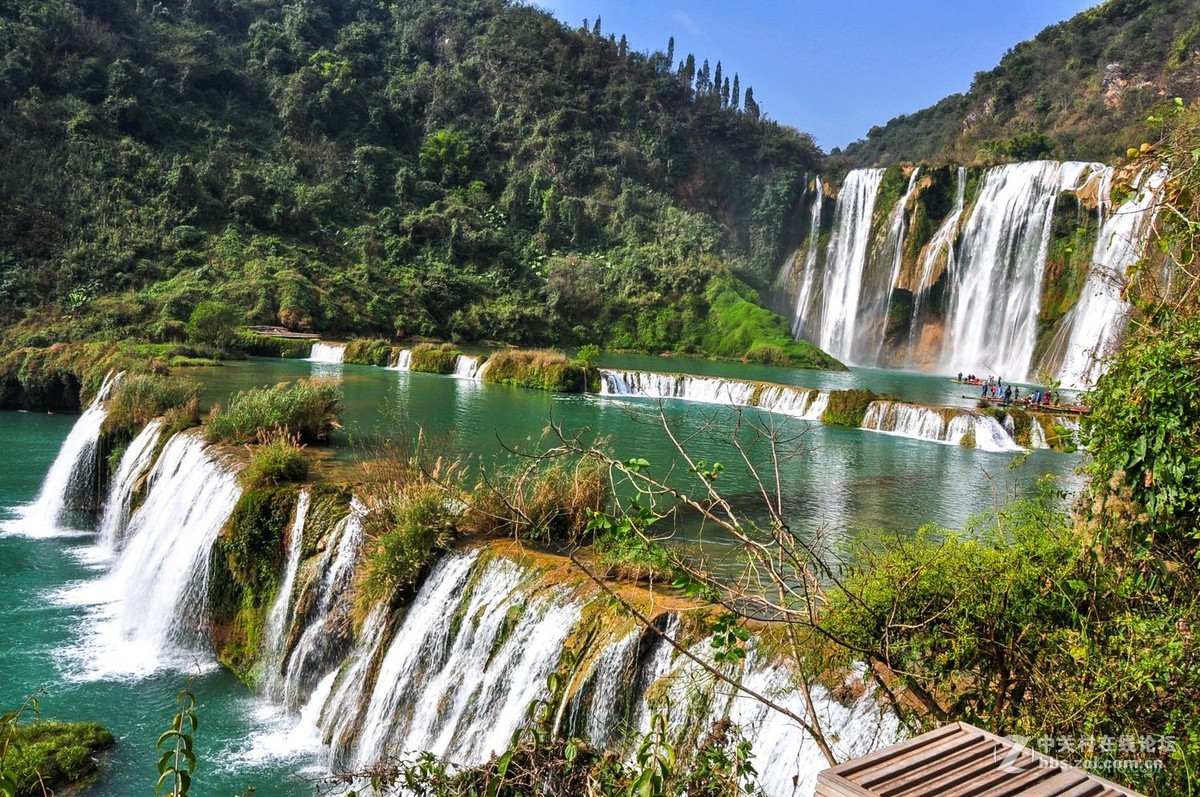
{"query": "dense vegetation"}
[(461, 171), (42, 757), (1080, 89)]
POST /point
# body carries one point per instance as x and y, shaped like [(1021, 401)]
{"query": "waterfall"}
[(327, 353), (279, 620), (403, 360), (326, 631), (798, 402), (1037, 434), (150, 608), (787, 759), (997, 281), (926, 423), (1098, 319), (467, 367), (460, 682), (73, 474), (937, 257), (647, 384), (845, 261), (119, 505), (877, 302), (804, 296)]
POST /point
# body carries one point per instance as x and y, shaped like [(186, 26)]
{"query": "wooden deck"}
[(960, 760)]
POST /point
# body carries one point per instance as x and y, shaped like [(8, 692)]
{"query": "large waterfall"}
[(950, 273), (848, 250), (997, 285), (1098, 319), (134, 463), (150, 609), (454, 670)]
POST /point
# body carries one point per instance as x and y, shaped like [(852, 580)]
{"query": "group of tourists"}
[(994, 389)]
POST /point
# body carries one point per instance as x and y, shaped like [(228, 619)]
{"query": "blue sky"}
[(832, 69)]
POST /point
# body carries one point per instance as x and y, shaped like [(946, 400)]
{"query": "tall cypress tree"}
[(670, 51), (703, 79), (725, 94), (716, 86), (737, 93), (751, 105)]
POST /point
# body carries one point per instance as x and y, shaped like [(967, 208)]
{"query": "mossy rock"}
[(848, 407), (434, 358), (366, 351), (64, 756), (266, 346)]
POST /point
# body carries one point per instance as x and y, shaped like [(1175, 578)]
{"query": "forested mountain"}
[(1081, 89), (469, 170)]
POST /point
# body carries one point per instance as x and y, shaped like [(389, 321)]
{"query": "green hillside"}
[(1081, 89), (463, 170)]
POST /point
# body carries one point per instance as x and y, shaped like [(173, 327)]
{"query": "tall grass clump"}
[(413, 509), (543, 503), (365, 351), (308, 410), (538, 369), (434, 358), (139, 398), (277, 459)]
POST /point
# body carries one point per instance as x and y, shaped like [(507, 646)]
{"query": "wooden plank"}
[(959, 778), (867, 761), (907, 762), (1063, 781), (979, 749)]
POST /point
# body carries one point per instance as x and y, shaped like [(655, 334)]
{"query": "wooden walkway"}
[(960, 760)]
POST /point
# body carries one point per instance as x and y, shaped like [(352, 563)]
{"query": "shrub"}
[(537, 369), (404, 532), (214, 324), (430, 358), (139, 398), (847, 407), (307, 409), (365, 351), (278, 459), (267, 346)]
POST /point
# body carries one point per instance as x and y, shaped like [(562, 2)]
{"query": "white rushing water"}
[(798, 402), (403, 360), (460, 689), (1098, 319), (877, 301), (845, 261), (119, 507), (149, 609), (327, 353), (73, 473), (279, 620), (326, 633), (996, 285), (808, 279), (925, 423), (467, 367)]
